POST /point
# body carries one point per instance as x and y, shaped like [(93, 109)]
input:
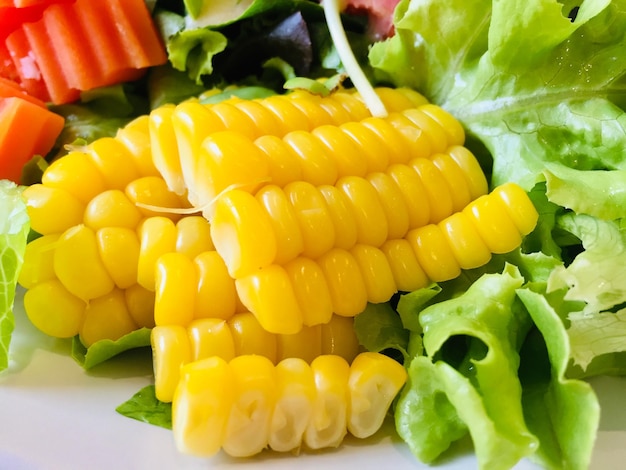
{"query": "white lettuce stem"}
[(353, 69)]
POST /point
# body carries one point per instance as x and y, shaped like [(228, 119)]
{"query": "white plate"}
[(56, 416)]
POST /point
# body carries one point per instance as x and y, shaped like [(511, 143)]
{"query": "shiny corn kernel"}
[(171, 350), (344, 151), (476, 180), (157, 236), (373, 148), (215, 296), (111, 208), (77, 174), (106, 317), (318, 166), (438, 193), (305, 344), (283, 164), (376, 272), (77, 264), (38, 263), (393, 203), (153, 198), (175, 289), (210, 337), (250, 337), (52, 210), (433, 253), (140, 303), (193, 236), (52, 309), (341, 215), (519, 206), (345, 282), (466, 243), (119, 251), (114, 161), (414, 194), (407, 272), (339, 338)]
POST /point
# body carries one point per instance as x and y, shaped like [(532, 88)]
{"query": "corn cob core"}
[(248, 404)]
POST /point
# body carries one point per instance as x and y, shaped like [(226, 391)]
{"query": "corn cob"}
[(173, 346), (88, 208), (177, 133), (248, 404), (492, 223)]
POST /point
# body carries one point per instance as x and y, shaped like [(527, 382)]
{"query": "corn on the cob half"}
[(248, 404)]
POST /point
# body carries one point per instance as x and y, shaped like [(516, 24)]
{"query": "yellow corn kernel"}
[(106, 317), (38, 265), (374, 382), (311, 290), (295, 387), (114, 162), (266, 122), (309, 105), (227, 160), (407, 272), (419, 144), (151, 191), (210, 337), (52, 210), (215, 296), (354, 106), (339, 338), (111, 208), (289, 239), (431, 129), (119, 251), (318, 166), (476, 180), (248, 424), (193, 236), (289, 112), (466, 243), (192, 122), (305, 344), (157, 236), (376, 272), (457, 182), (414, 194), (250, 337), (269, 295), (242, 233), (283, 164), (433, 253), (396, 141), (518, 206), (489, 215), (175, 289), (234, 118), (77, 174), (452, 127), (393, 203), (311, 210), (437, 190), (77, 264), (52, 309), (373, 148), (341, 215), (328, 425), (201, 406), (345, 282), (165, 148), (171, 350), (370, 217), (399, 99), (135, 137), (140, 303), (343, 150), (336, 110)]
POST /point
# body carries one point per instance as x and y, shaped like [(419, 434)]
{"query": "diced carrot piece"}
[(26, 130), (9, 89)]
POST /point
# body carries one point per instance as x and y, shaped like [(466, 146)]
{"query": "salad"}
[(502, 352)]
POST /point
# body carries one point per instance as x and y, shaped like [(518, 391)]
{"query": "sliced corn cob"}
[(173, 346), (88, 208), (309, 220), (492, 223), (177, 132), (229, 158), (248, 404)]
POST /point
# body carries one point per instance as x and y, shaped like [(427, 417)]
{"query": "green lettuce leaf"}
[(379, 328), (537, 95), (472, 341), (105, 349), (14, 230), (600, 193), (144, 406), (563, 413)]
